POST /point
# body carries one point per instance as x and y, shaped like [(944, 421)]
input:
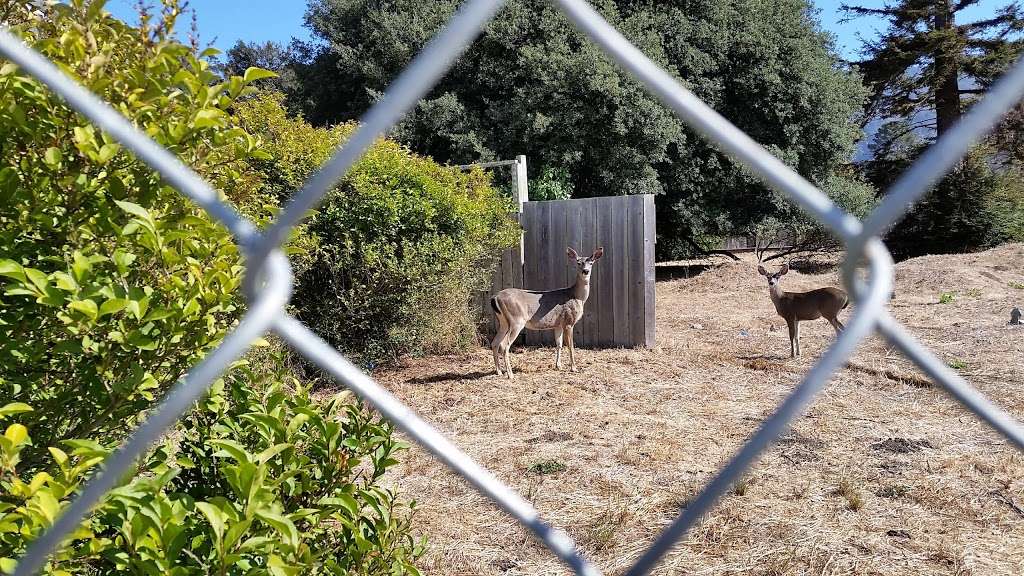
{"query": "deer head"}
[(773, 279), (584, 263)]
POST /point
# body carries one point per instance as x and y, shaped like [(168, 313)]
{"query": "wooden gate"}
[(620, 310)]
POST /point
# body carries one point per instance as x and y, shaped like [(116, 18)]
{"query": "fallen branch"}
[(1008, 501)]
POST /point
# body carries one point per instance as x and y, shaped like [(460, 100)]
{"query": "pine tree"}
[(928, 62)]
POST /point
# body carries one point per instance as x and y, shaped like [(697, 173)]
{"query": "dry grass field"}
[(884, 475)]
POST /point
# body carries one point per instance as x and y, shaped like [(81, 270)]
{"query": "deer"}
[(797, 306), (557, 310)]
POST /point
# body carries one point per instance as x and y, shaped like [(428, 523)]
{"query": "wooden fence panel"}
[(620, 311)]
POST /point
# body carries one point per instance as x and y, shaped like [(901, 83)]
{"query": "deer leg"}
[(572, 348), (792, 337), (796, 324), (513, 333), (837, 325), (558, 349), (498, 344)]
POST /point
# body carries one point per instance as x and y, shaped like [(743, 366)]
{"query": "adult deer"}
[(557, 310), (797, 306)]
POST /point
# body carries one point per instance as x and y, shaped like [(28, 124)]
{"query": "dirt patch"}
[(552, 436), (892, 492), (641, 431), (901, 445)]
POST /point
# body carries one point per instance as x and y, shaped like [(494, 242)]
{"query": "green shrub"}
[(260, 480), (1006, 204), (115, 283), (552, 184), (401, 242), (970, 209)]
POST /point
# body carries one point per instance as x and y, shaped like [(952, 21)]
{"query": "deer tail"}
[(494, 304)]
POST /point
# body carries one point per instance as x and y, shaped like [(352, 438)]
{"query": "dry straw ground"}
[(885, 474)]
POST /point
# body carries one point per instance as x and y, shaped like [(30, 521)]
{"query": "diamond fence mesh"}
[(269, 280)]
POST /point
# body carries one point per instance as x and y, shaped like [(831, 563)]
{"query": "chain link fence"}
[(269, 280)]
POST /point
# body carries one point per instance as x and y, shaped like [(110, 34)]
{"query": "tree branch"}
[(702, 250)]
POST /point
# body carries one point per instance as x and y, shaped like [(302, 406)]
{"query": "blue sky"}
[(223, 22)]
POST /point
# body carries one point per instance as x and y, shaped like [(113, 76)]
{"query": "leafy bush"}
[(552, 184), (973, 208), (799, 230), (116, 283), (260, 480), (400, 244), (1006, 204)]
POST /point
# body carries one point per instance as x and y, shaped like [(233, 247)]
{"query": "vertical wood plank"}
[(590, 242), (650, 296), (556, 259), (574, 237), (637, 272), (620, 233), (605, 281), (538, 259), (517, 259)]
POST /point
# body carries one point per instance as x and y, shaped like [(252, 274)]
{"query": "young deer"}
[(557, 310), (797, 306)]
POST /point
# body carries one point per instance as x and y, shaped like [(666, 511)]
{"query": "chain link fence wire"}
[(269, 281)]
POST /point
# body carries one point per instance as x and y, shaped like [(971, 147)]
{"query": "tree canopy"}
[(533, 85), (927, 61)]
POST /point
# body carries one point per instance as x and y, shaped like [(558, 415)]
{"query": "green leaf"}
[(140, 340), (52, 156), (232, 449), (279, 567), (345, 501), (14, 408), (283, 525), (107, 152), (214, 517), (65, 282), (253, 74), (37, 278), (112, 306), (87, 307), (59, 456), (269, 453), (208, 117), (12, 269), (136, 210), (16, 433), (80, 266)]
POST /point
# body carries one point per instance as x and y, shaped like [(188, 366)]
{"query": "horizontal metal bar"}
[(494, 164), (303, 340)]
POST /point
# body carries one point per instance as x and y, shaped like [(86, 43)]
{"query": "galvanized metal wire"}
[(269, 280)]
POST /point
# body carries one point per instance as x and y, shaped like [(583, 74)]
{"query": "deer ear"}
[(597, 254), (785, 268), (761, 270), (572, 254)]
